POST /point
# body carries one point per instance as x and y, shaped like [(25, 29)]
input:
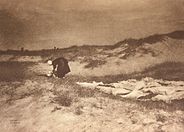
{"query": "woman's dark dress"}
[(61, 66)]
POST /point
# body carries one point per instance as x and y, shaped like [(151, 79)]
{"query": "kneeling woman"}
[(60, 67)]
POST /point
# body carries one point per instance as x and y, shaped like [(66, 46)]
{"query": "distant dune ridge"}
[(126, 57), (134, 55)]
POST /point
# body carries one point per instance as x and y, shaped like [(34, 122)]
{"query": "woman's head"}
[(49, 62)]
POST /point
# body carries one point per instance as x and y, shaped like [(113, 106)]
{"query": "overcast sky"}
[(39, 24)]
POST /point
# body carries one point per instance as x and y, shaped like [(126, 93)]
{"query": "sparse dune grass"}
[(30, 101), (60, 104)]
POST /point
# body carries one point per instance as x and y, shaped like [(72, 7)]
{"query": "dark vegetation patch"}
[(63, 98), (69, 83), (167, 71), (85, 92), (174, 105), (14, 71), (144, 51), (94, 63), (172, 71)]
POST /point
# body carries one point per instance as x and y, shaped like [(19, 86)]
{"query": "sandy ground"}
[(32, 102), (43, 104)]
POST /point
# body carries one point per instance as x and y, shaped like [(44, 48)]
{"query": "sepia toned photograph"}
[(91, 65)]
